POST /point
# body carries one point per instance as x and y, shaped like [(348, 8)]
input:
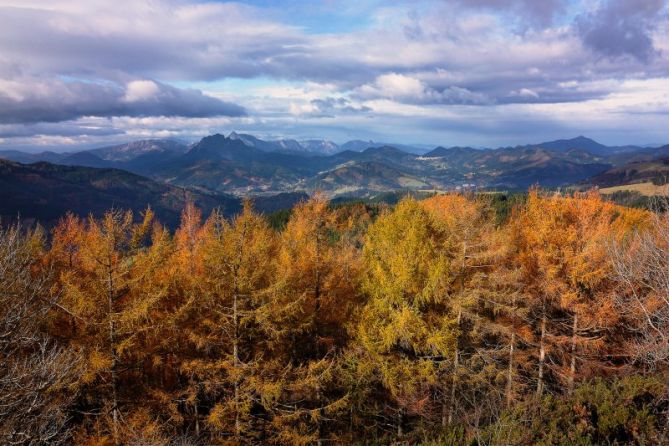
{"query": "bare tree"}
[(642, 267), (34, 373)]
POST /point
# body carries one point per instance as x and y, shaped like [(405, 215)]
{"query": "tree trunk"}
[(112, 351), (317, 293), (542, 353), (236, 363), (317, 329), (572, 368), (400, 419), (509, 379), (512, 347), (456, 365), (446, 420), (197, 418)]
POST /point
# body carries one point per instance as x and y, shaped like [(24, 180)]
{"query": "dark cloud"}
[(56, 129), (39, 100), (622, 28)]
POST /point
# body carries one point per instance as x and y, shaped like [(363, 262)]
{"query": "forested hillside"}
[(435, 322), (44, 192)]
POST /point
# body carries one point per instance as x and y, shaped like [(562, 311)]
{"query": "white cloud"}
[(403, 88), (141, 90), (525, 93), (395, 85), (302, 109)]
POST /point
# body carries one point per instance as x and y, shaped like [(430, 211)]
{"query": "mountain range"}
[(219, 170)]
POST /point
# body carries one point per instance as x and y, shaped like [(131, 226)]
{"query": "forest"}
[(436, 321)]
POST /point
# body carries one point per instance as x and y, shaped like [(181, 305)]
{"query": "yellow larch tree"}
[(408, 330)]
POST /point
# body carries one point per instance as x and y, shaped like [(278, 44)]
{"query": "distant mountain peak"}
[(217, 146), (580, 142), (214, 137), (384, 150), (134, 149), (584, 140), (442, 151)]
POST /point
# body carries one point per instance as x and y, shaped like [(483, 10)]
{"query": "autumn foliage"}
[(424, 323)]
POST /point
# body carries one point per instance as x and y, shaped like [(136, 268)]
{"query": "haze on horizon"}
[(445, 72)]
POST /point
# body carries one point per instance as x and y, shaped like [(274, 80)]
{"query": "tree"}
[(314, 297), (95, 278), (237, 270), (467, 232), (561, 248), (37, 377), (171, 340), (641, 264), (407, 330)]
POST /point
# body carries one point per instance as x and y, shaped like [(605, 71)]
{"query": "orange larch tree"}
[(95, 277), (314, 297), (561, 247)]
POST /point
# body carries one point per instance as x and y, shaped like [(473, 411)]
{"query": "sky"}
[(85, 73)]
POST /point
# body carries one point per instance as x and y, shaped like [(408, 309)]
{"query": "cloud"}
[(525, 93), (622, 28), (142, 90), (68, 129), (379, 67), (178, 40), (331, 107), (534, 12), (30, 100), (407, 89), (164, 39)]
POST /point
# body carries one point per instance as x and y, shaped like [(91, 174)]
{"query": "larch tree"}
[(314, 297), (562, 248), (237, 271), (178, 276), (95, 283), (467, 232), (507, 309), (641, 264), (144, 318), (408, 330)]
